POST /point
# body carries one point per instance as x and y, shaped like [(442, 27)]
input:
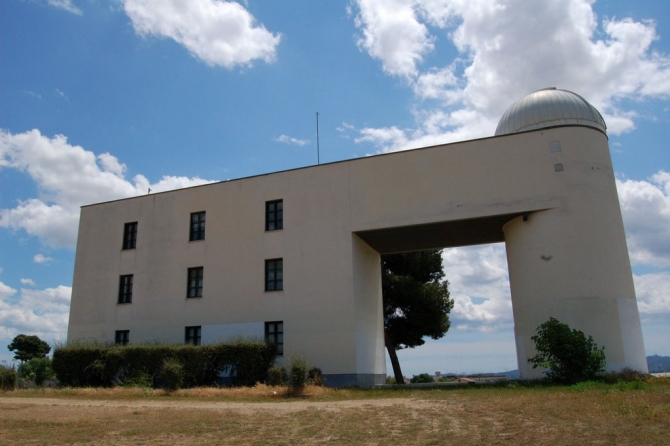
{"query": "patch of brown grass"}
[(583, 414), (259, 393)]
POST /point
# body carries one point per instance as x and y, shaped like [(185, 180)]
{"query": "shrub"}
[(140, 380), (390, 380), (94, 373), (277, 376), (106, 365), (626, 375), (567, 354), (8, 378), (315, 376), (172, 374), (297, 372), (37, 369), (422, 378)]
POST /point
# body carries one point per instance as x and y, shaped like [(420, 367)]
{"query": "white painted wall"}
[(331, 302)]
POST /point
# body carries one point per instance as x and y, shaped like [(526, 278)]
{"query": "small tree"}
[(416, 302), (37, 369), (26, 347), (567, 354), (297, 372)]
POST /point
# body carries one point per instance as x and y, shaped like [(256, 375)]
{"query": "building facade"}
[(294, 257)]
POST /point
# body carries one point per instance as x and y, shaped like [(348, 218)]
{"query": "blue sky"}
[(102, 99)]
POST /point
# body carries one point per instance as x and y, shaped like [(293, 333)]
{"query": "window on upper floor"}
[(195, 282), (274, 334), (192, 335), (121, 337), (274, 215), (130, 235), (125, 289), (197, 231), (274, 275)]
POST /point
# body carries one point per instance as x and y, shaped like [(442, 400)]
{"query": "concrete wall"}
[(336, 219)]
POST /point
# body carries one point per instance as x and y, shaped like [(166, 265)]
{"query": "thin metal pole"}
[(318, 158)]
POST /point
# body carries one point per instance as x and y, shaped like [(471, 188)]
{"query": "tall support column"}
[(571, 263)]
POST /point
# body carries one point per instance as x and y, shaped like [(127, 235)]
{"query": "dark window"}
[(125, 289), (274, 215), (130, 235), (192, 335), (195, 276), (274, 334), (121, 337), (197, 226), (274, 275)]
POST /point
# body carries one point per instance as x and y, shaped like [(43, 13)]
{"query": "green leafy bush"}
[(315, 376), (172, 374), (568, 355), (422, 378), (8, 378), (142, 381), (37, 369), (297, 372), (277, 376)]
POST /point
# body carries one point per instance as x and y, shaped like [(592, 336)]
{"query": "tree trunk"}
[(390, 346)]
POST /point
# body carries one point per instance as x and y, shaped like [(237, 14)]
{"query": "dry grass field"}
[(599, 414)]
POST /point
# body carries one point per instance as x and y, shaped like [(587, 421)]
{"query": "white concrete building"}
[(293, 256)]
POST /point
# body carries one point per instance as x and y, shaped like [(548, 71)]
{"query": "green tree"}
[(37, 369), (26, 347), (567, 354), (416, 301), (423, 378)]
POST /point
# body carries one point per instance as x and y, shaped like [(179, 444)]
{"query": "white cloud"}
[(67, 5), (29, 282), (6, 291), (645, 207), (217, 32), (383, 136), (653, 295), (479, 285), (39, 312), (290, 140), (40, 258), (505, 51), (392, 34), (67, 177)]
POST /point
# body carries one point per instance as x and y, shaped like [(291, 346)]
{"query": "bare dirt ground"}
[(33, 421), (45, 406)]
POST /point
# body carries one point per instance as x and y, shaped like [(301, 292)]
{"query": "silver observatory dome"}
[(549, 108)]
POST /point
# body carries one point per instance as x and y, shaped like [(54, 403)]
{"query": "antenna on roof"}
[(318, 160)]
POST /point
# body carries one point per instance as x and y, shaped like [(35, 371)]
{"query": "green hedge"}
[(94, 365)]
